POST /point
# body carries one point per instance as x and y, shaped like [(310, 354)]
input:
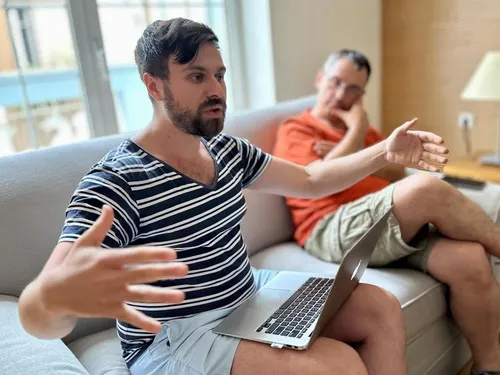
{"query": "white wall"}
[(304, 32)]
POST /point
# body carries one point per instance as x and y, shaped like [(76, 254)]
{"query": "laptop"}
[(292, 309)]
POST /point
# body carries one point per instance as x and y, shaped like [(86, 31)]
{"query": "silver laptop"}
[(293, 308)]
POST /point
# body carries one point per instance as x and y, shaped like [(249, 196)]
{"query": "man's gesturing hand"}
[(93, 282), (415, 148)]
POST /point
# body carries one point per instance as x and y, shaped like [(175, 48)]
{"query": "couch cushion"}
[(423, 299), (23, 354), (100, 353), (269, 209)]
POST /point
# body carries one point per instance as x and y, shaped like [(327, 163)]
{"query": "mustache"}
[(213, 101)]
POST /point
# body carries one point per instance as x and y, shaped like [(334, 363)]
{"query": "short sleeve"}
[(295, 143), (99, 187), (373, 136), (254, 161)]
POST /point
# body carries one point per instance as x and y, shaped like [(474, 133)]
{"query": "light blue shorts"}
[(189, 347)]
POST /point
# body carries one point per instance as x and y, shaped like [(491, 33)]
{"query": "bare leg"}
[(325, 357), (422, 199), (372, 319), (475, 297)]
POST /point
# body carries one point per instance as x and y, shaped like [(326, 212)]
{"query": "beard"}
[(193, 123)]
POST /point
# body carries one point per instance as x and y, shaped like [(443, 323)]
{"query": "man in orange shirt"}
[(433, 226)]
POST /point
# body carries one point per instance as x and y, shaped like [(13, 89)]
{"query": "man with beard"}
[(456, 254), (170, 199)]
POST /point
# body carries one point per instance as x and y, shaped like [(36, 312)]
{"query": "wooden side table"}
[(470, 168)]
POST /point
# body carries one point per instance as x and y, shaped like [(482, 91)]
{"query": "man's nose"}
[(215, 88), (340, 93)]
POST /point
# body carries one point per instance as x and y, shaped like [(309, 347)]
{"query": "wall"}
[(304, 32), (430, 50)]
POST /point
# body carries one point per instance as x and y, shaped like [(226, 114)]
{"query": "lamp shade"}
[(485, 81)]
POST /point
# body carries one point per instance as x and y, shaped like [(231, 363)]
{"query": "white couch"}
[(35, 188)]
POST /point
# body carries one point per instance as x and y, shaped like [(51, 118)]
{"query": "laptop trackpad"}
[(248, 317)]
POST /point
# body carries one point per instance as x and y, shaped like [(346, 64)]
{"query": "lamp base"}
[(490, 159)]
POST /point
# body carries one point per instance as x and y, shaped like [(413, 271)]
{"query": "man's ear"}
[(154, 85), (319, 78)]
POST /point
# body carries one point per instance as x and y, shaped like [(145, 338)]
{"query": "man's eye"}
[(197, 77), (219, 77)]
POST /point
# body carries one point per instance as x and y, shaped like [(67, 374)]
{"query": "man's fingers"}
[(340, 113), (429, 137), (138, 255), (408, 125), (435, 158), (154, 272), (427, 166), (432, 147), (138, 319), (154, 294), (96, 234)]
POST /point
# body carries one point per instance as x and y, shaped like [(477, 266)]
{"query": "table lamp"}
[(484, 85)]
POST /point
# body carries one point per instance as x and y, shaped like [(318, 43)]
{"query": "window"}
[(41, 101)]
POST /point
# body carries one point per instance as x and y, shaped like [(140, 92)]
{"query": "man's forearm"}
[(333, 176), (352, 142), (35, 318)]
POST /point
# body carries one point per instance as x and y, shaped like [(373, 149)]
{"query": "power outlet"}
[(465, 120)]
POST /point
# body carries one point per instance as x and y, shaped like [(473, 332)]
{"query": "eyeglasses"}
[(352, 90)]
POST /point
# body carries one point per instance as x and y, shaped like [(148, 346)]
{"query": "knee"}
[(426, 188), (382, 306), (470, 267), (352, 364)]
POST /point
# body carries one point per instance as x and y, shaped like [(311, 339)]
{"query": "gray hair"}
[(359, 60)]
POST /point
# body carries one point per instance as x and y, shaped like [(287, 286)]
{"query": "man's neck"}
[(162, 139), (183, 152), (324, 116)]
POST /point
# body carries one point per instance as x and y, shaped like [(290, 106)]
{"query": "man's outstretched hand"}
[(93, 282), (414, 148)]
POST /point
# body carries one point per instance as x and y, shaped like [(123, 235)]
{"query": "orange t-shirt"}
[(295, 140)]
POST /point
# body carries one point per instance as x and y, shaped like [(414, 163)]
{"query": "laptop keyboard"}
[(294, 317)]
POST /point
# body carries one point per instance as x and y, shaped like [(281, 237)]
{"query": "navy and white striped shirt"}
[(156, 205)]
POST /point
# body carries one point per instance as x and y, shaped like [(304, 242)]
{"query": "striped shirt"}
[(156, 205)]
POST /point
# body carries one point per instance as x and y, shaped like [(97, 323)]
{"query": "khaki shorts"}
[(337, 232)]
